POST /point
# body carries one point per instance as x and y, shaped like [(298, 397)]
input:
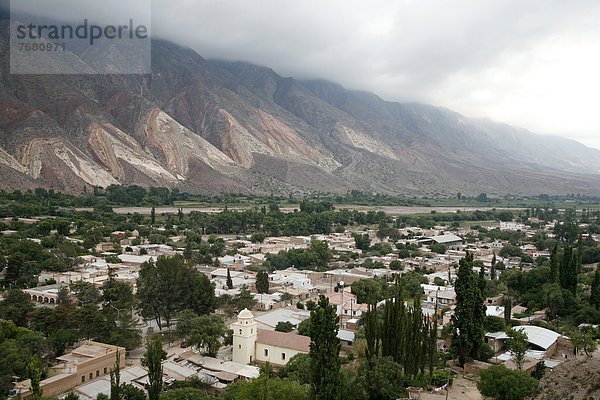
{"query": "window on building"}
[(239, 346), (240, 331), (251, 330), (97, 373), (283, 356), (82, 378), (266, 352), (105, 370), (91, 375)]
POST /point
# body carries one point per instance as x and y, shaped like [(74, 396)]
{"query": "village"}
[(267, 332)]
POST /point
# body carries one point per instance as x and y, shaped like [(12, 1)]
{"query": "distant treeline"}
[(48, 202)]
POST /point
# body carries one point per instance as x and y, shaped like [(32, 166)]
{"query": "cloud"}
[(528, 63)]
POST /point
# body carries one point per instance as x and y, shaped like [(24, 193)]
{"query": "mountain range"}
[(207, 125)]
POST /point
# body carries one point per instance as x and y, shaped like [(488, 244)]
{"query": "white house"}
[(251, 344)]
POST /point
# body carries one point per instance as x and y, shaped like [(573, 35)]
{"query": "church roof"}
[(245, 313), (290, 340)]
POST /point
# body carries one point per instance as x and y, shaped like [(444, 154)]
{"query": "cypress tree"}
[(407, 336), (187, 253), (35, 375), (324, 352), (507, 302), (153, 361), (470, 311), (554, 264), (372, 331), (229, 281), (152, 215), (262, 282), (595, 297), (568, 270), (493, 268), (482, 278), (115, 379)]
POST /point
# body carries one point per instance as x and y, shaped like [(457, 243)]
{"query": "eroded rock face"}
[(175, 145), (55, 154), (205, 125), (361, 140), (285, 142), (112, 148), (238, 143)]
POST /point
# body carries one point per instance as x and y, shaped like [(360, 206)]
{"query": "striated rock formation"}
[(204, 126)]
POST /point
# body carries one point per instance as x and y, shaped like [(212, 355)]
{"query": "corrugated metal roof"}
[(448, 238), (539, 336)]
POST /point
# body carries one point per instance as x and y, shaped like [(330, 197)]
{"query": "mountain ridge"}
[(210, 125)]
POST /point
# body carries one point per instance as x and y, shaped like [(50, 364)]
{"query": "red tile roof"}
[(290, 340)]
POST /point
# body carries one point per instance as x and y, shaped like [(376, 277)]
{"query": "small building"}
[(449, 240), (45, 294), (88, 362), (251, 344), (542, 340)]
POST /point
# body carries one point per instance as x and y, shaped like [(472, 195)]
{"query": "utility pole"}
[(342, 304)]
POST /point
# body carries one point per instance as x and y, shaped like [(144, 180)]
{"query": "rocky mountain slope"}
[(577, 379), (205, 125)]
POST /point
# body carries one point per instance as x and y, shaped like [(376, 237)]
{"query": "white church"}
[(253, 345)]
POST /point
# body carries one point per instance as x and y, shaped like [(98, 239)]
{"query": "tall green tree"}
[(470, 311), (262, 282), (168, 286), (372, 331), (517, 344), (205, 331), (493, 268), (85, 292), (153, 361), (244, 299), (507, 303), (568, 270), (115, 379), (554, 264), (18, 347), (407, 336), (230, 282), (321, 253), (34, 373), (595, 294), (15, 307), (324, 352), (118, 301), (362, 242), (583, 339), (201, 293)]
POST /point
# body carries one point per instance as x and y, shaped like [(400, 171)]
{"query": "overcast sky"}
[(534, 64)]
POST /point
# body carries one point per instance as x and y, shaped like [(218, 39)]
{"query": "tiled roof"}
[(289, 340)]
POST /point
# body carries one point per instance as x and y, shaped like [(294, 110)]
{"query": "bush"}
[(300, 305), (438, 248), (282, 326), (501, 383), (493, 324), (441, 376), (485, 352), (396, 265), (112, 259)]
